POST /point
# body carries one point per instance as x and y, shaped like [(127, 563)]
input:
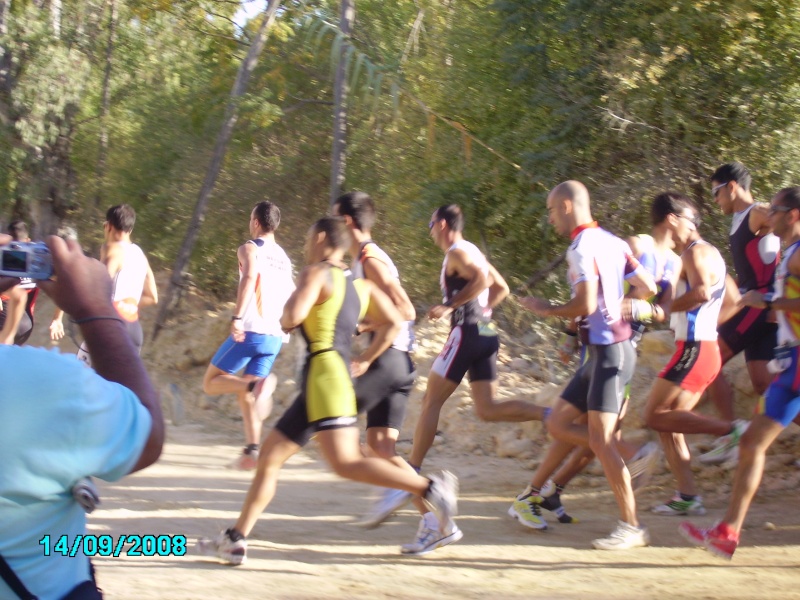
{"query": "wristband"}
[(768, 304), (235, 319)]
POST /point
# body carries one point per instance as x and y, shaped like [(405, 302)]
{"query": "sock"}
[(234, 534), (560, 488), (687, 497), (529, 491), (553, 504)]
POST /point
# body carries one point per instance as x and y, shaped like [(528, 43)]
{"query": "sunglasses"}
[(715, 190), (431, 224), (693, 220)]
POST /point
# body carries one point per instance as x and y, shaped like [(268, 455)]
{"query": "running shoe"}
[(527, 510), (720, 539), (263, 395), (391, 500), (677, 506), (429, 538), (224, 548), (623, 537), (643, 464), (551, 500), (442, 498), (726, 447)]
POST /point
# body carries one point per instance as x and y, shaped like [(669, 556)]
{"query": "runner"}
[(598, 265), (471, 288), (384, 389), (134, 283), (17, 304), (327, 306), (781, 403), (654, 252), (265, 283), (753, 330), (695, 315)]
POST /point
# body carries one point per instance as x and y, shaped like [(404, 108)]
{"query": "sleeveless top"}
[(788, 286), (700, 323), (129, 282), (329, 326), (273, 286), (754, 257), (476, 310), (369, 249)]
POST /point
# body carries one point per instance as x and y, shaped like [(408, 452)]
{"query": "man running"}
[(471, 288), (655, 253), (599, 263), (694, 317), (384, 389), (755, 254), (781, 403), (265, 283), (327, 305), (134, 282), (17, 304)]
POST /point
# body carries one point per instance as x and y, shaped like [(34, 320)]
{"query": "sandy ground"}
[(307, 544)]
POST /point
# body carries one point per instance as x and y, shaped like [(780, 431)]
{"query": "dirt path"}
[(307, 545)]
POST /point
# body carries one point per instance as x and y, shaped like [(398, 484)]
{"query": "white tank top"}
[(129, 281), (700, 324), (274, 285)]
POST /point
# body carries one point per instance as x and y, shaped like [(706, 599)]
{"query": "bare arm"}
[(247, 285), (731, 300), (149, 291), (758, 219), (83, 289), (498, 288), (5, 239), (465, 267), (312, 288), (57, 325), (583, 303), (386, 321), (378, 273), (700, 277)]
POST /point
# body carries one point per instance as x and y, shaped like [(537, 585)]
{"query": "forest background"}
[(487, 103)]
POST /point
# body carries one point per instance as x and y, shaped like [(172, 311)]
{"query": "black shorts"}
[(382, 392), (749, 330), (470, 348), (599, 383)]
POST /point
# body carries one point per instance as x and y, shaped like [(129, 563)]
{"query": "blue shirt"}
[(59, 422)]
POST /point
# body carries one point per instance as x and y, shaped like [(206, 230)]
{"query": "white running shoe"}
[(263, 395), (429, 538), (391, 500), (677, 506), (726, 447), (442, 498), (643, 464), (623, 537), (224, 548)]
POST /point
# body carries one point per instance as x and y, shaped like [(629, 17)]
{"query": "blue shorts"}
[(255, 354), (781, 401)]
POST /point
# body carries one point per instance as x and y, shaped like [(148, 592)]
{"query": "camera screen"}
[(15, 260)]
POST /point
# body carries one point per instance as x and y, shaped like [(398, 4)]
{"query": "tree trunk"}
[(339, 151), (105, 105), (214, 168)]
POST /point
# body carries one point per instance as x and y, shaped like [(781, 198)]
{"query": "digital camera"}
[(26, 259)]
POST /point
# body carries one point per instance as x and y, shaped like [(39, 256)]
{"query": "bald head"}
[(568, 206)]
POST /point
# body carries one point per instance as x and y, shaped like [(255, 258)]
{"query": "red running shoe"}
[(720, 540)]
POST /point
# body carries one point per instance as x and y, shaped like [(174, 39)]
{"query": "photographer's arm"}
[(83, 290)]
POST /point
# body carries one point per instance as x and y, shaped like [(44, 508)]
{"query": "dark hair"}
[(669, 203), (268, 216), (790, 197), (18, 230), (734, 171), (121, 217), (335, 230), (452, 215), (358, 206)]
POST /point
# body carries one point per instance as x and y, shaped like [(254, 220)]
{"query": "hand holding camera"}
[(30, 260)]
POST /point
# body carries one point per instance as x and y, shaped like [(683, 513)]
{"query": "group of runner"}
[(617, 288)]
